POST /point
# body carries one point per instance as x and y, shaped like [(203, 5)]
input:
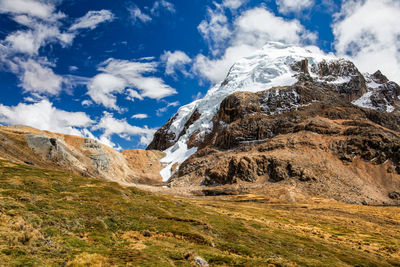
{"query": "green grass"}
[(51, 218)]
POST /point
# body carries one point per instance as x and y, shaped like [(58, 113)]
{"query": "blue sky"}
[(118, 70)]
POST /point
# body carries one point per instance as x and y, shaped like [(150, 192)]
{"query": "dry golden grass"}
[(51, 218)]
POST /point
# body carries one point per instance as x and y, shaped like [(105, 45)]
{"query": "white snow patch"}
[(341, 80), (178, 153), (390, 108), (364, 101)]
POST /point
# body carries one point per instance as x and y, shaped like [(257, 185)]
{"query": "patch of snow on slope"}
[(176, 154), (364, 101), (341, 80), (266, 68)]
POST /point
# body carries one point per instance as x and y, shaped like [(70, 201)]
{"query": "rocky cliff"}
[(294, 122), (79, 155)]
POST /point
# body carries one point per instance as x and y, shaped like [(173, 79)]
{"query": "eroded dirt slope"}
[(79, 155)]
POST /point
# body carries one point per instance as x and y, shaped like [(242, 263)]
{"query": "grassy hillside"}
[(50, 218)]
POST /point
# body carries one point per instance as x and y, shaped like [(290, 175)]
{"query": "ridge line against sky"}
[(117, 70)]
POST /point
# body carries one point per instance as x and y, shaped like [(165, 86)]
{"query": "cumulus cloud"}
[(112, 126), (137, 15), (119, 75), (43, 115), (140, 116), (367, 31), (250, 31), (92, 19), (293, 6), (174, 61), (258, 25)]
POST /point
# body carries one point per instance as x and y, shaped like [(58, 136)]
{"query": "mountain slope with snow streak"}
[(275, 65)]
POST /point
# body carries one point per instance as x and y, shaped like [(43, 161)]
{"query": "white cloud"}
[(41, 22), (233, 4), (92, 19), (29, 41), (43, 115), (215, 29), (86, 103), (174, 61), (39, 79), (250, 31), (20, 50), (162, 5), (132, 95), (140, 116), (72, 81), (32, 8), (119, 75), (367, 32), (73, 68), (215, 70), (293, 6), (111, 126), (103, 87), (258, 25), (133, 73), (137, 15)]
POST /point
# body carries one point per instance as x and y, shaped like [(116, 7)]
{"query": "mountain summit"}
[(288, 115)]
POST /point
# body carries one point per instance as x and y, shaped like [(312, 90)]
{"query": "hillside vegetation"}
[(52, 218)]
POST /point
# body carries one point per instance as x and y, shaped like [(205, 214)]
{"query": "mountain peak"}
[(275, 65)]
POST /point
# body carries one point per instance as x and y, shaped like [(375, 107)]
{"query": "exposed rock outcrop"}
[(79, 155)]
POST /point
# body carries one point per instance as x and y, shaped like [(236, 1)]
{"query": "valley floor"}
[(51, 218)]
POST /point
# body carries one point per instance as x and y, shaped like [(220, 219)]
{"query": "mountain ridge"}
[(83, 156), (348, 118)]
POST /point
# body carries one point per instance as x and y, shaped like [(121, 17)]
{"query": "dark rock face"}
[(350, 90), (379, 78), (195, 116), (49, 148), (163, 139), (301, 67), (385, 96), (252, 168), (92, 144), (394, 195)]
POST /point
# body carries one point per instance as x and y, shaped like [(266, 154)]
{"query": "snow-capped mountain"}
[(275, 65)]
